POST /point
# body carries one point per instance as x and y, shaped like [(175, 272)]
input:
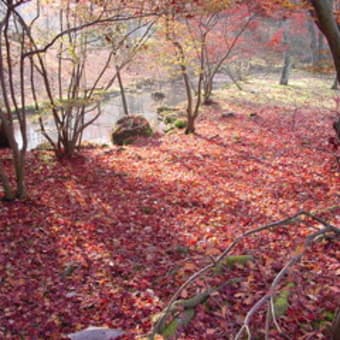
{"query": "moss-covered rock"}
[(128, 128), (43, 146), (180, 123), (157, 96), (165, 110)]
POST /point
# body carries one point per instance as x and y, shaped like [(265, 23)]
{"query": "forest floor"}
[(106, 238)]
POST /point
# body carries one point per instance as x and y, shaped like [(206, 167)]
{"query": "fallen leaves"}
[(107, 237)]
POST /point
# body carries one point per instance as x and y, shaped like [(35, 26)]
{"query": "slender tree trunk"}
[(193, 106), (122, 91), (190, 117), (233, 79), (313, 43), (287, 60), (287, 65)]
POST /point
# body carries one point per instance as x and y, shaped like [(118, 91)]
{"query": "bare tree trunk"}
[(336, 327), (335, 84), (313, 43), (286, 69), (20, 175), (321, 48), (327, 24), (191, 115), (190, 126), (4, 143), (9, 194), (207, 92), (122, 91), (233, 79), (190, 119), (287, 64)]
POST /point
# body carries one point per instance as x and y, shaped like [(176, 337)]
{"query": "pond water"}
[(139, 102)]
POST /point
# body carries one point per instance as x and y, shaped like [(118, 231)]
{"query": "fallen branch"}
[(269, 296), (183, 310)]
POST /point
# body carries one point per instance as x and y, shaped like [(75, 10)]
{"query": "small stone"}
[(71, 294), (96, 333), (228, 115)]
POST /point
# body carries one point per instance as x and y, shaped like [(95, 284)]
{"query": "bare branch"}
[(97, 21), (294, 259)]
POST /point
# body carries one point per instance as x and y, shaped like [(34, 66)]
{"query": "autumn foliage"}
[(105, 238)]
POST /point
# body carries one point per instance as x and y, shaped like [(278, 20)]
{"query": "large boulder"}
[(4, 143), (128, 128)]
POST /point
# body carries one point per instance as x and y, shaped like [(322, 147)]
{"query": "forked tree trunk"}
[(207, 91)]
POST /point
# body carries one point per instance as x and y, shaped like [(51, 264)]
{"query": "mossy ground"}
[(305, 89)]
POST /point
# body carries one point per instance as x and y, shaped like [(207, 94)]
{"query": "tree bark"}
[(327, 24), (122, 91), (287, 63), (336, 327), (190, 125), (207, 92), (20, 175), (313, 43), (335, 84), (4, 142), (286, 69), (9, 194)]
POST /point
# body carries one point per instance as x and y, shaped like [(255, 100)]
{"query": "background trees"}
[(105, 44), (45, 59), (53, 71), (132, 222)]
